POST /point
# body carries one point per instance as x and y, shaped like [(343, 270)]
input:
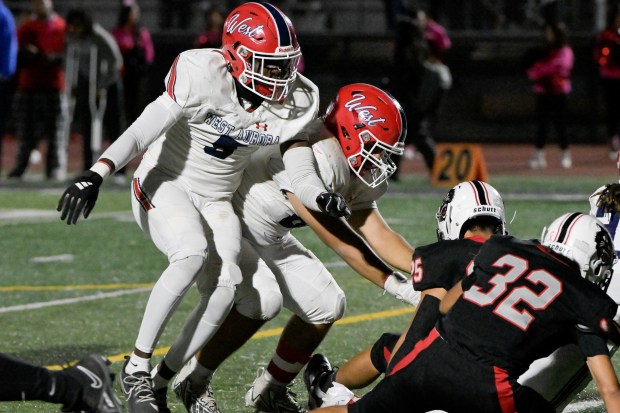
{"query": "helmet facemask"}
[(600, 268), (442, 216), (588, 243), (261, 49), (373, 164), (371, 127), (269, 75)]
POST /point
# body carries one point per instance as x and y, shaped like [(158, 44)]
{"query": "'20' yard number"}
[(456, 165)]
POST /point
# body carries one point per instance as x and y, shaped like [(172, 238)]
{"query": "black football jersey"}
[(443, 263), (521, 303)]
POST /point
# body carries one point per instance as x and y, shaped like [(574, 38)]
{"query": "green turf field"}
[(103, 269)]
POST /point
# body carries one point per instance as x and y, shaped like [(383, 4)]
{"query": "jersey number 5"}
[(506, 308), (223, 147)]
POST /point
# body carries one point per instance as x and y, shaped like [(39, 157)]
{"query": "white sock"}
[(137, 363)]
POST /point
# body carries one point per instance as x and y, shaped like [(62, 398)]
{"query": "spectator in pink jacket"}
[(607, 55), (435, 35), (550, 76), (138, 53), (211, 37)]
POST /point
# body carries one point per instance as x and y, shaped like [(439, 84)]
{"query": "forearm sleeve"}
[(154, 121), (300, 166)]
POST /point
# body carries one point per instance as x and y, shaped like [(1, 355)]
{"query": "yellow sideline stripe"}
[(277, 331), (13, 288)]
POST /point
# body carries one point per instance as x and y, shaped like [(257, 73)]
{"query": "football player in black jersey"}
[(470, 214), (85, 386), (523, 300), (562, 375)]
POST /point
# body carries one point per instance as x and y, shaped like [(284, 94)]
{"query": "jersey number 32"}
[(505, 305)]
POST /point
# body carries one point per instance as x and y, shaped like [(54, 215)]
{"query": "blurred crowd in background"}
[(71, 68)]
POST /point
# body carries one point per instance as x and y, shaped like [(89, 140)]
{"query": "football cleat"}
[(316, 370), (271, 398), (98, 396), (193, 402), (138, 391)]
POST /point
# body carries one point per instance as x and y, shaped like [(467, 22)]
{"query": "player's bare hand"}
[(80, 197)]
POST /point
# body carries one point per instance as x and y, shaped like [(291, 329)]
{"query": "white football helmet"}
[(466, 201), (583, 239)]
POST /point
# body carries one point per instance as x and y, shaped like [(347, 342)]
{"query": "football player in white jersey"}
[(352, 146), (563, 374), (219, 106)]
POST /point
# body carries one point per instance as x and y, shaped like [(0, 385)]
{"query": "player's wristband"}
[(103, 167)]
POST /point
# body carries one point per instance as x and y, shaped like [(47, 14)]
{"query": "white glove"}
[(402, 288), (338, 395)]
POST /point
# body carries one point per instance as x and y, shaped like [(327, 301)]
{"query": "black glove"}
[(333, 204), (80, 196)]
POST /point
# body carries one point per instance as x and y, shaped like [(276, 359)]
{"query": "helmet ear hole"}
[(345, 133)]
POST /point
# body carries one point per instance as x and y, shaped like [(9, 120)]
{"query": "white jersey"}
[(610, 219), (267, 215), (210, 145)]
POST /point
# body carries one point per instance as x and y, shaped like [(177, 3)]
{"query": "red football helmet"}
[(370, 125), (260, 45)]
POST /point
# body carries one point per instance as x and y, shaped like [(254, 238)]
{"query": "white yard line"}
[(583, 405), (44, 214), (20, 216), (53, 258), (100, 296), (65, 301), (533, 196)]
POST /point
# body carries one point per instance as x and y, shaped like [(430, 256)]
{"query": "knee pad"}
[(264, 307), (230, 275), (258, 296), (216, 305), (328, 310), (341, 306), (180, 274), (382, 350)]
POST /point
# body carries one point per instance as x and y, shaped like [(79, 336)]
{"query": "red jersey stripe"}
[(142, 198), (504, 391), (387, 354), (172, 79), (417, 349)]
